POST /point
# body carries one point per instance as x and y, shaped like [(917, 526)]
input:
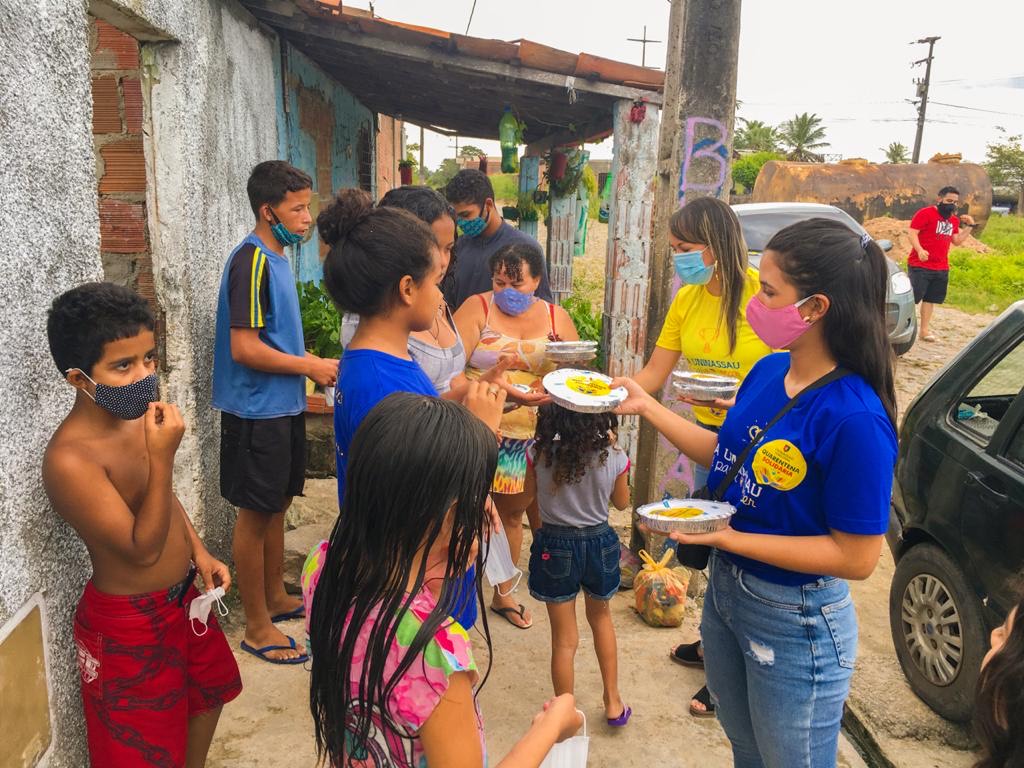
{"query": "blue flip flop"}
[(261, 653), (621, 720), (296, 613)]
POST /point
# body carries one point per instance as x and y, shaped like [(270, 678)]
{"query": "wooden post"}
[(529, 176), (694, 160), (561, 243), (627, 266)]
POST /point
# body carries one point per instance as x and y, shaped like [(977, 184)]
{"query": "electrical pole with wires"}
[(922, 94)]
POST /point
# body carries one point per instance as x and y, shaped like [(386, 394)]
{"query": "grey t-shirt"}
[(472, 268), (580, 504)]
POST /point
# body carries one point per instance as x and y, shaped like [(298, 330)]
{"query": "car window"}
[(981, 409), (759, 228), (1015, 450)]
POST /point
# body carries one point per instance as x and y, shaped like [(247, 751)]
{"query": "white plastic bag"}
[(498, 565), (571, 753)]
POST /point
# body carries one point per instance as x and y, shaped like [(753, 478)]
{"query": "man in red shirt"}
[(932, 231)]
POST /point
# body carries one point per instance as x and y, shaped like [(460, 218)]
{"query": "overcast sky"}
[(849, 62)]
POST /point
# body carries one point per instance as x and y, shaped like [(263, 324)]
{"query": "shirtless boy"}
[(153, 683)]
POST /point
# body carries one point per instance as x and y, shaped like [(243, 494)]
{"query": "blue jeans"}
[(563, 559), (778, 661)]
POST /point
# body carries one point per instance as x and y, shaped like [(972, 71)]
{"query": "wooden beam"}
[(322, 29)]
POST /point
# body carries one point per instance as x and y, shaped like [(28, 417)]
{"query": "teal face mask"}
[(691, 268), (281, 233), (474, 227)]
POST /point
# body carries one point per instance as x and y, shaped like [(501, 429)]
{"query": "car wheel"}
[(938, 630)]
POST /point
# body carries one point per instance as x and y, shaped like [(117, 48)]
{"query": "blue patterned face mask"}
[(475, 227), (513, 302), (691, 268), (127, 402), (281, 233)]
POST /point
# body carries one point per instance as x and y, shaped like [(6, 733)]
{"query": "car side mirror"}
[(885, 245)]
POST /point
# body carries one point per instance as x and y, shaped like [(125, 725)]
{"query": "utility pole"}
[(643, 41), (694, 160), (922, 93)]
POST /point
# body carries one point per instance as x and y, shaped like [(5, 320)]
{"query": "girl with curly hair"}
[(999, 705), (575, 469)]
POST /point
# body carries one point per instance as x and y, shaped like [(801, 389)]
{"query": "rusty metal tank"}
[(869, 190)]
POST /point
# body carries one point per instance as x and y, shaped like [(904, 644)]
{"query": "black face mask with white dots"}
[(127, 402)]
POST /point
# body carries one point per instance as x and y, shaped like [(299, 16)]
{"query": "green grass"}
[(989, 282), (506, 187)]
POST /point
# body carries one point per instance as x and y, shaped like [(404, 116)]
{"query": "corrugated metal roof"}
[(437, 78)]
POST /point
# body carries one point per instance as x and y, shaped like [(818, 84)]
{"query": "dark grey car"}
[(760, 221)]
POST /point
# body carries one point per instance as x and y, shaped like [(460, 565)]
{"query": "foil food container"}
[(686, 515), (583, 391)]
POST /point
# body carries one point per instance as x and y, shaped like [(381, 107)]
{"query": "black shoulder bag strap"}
[(834, 375)]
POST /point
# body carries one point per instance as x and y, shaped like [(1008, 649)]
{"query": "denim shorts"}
[(563, 559)]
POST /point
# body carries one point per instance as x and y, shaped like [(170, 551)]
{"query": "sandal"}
[(687, 654), (704, 697), (930, 337), (521, 613)]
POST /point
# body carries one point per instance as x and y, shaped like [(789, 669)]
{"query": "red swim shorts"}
[(144, 673)]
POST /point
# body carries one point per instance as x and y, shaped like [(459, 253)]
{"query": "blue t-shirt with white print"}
[(826, 465)]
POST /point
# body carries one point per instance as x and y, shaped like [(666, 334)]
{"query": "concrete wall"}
[(210, 88)]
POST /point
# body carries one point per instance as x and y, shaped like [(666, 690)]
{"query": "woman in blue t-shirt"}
[(385, 265), (811, 498)]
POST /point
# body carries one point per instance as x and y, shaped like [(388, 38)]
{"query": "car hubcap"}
[(931, 629)]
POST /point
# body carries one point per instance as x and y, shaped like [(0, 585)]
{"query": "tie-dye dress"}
[(421, 687)]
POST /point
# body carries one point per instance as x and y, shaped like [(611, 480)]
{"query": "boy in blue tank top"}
[(259, 370)]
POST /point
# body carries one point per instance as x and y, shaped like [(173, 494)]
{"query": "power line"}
[(471, 12), (979, 109)]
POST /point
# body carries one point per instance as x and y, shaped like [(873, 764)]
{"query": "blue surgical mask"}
[(474, 227), (127, 402), (513, 302), (281, 233), (691, 268)]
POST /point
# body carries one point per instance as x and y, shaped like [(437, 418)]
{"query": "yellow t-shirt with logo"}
[(693, 327)]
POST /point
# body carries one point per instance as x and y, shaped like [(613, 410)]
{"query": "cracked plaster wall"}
[(214, 91)]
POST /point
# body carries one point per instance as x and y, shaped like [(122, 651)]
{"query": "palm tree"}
[(803, 134), (757, 136), (896, 153)]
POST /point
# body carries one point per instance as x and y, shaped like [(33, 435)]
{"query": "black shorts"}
[(262, 461), (929, 284)]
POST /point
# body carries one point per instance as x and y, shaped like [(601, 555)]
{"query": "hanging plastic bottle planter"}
[(510, 134), (482, 164), (559, 162), (405, 172)]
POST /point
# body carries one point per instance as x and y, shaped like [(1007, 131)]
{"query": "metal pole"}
[(423, 171)]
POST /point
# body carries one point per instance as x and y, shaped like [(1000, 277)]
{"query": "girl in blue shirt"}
[(385, 265), (812, 497)]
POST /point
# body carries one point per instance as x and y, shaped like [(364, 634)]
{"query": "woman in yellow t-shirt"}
[(706, 326)]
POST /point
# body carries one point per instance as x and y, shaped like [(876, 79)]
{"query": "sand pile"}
[(896, 230)]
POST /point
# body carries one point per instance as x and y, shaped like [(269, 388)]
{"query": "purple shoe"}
[(621, 720)]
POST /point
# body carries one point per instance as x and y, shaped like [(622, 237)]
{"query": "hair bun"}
[(349, 207)]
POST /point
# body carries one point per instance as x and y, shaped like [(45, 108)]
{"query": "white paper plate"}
[(583, 391), (686, 515)]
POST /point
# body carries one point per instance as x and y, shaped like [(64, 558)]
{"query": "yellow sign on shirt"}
[(780, 465)]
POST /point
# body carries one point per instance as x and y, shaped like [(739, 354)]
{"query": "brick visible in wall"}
[(122, 226), (106, 105), (124, 167), (132, 88), (114, 49)]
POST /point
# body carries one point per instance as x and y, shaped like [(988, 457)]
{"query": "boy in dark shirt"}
[(260, 365), (153, 684), (484, 232)]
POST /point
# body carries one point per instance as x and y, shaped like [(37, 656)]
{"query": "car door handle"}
[(980, 479)]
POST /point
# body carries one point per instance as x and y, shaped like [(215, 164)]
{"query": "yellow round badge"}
[(780, 465), (587, 385)]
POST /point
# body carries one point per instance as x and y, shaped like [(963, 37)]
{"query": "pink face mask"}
[(778, 328)]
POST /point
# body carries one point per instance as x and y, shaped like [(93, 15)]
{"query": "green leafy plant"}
[(528, 210), (757, 136), (805, 136), (588, 323), (321, 323), (746, 169), (896, 153), (589, 180), (566, 185), (1005, 163)]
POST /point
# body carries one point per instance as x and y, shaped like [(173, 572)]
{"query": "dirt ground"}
[(269, 725)]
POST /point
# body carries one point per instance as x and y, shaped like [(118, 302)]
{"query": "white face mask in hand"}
[(199, 609), (571, 753)]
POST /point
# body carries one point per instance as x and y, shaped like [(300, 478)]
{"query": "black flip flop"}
[(704, 697), (521, 613), (686, 654)]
